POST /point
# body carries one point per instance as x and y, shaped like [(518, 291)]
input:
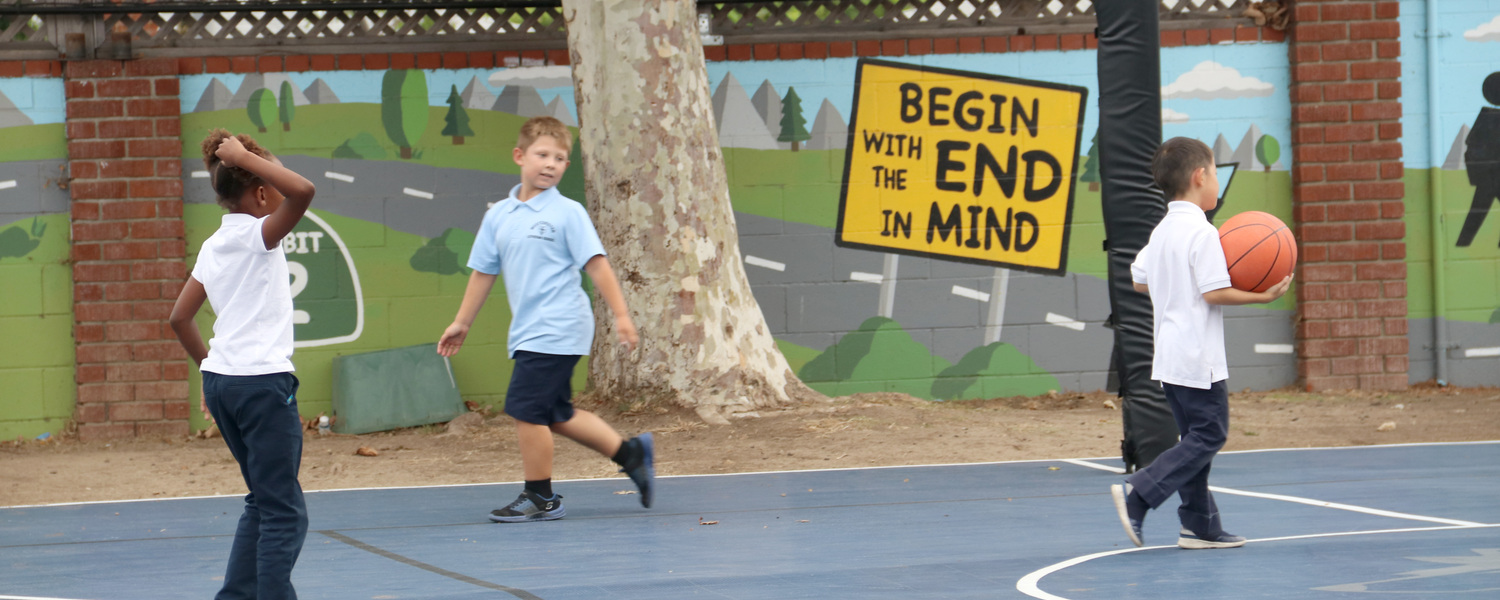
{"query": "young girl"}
[(248, 386)]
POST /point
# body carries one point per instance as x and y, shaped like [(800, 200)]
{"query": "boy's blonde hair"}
[(536, 127), (230, 183), (1174, 163)]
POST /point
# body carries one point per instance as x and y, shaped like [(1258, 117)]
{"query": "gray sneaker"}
[(530, 507), (1120, 492), (1192, 541)]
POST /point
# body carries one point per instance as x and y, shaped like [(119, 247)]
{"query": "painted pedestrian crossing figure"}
[(1482, 159)]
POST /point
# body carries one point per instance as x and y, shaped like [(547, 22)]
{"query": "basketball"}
[(1259, 250)]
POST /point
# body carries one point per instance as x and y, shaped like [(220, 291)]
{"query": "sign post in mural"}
[(961, 166)]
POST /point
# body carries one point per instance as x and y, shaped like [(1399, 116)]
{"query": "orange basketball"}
[(1259, 250)]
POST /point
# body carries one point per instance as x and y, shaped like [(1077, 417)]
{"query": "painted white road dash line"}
[(418, 193), (5, 185), (1061, 321), (1273, 349), (339, 176), (973, 294), (196, 175), (866, 277), (1478, 352), (764, 263)]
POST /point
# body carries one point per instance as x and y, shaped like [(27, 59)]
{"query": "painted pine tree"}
[(793, 125), (457, 119), (286, 107), (1091, 165)]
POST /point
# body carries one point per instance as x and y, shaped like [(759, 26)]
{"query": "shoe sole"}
[(541, 516), (1117, 492), (1200, 544), (648, 455)]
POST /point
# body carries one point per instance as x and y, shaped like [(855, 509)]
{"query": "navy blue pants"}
[(257, 415), (1203, 422)]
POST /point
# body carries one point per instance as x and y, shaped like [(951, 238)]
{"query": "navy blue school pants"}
[(258, 416), (1203, 422)]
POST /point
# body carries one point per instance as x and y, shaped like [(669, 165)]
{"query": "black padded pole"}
[(1129, 133)]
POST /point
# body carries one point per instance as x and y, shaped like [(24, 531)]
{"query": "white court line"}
[(1062, 321), (1299, 500), (962, 291), (766, 263), (1476, 352), (5, 185), (1028, 584), (867, 277), (200, 174), (418, 193), (2, 597), (1273, 349), (339, 176)]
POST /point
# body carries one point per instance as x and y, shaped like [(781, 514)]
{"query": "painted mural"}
[(406, 162), (36, 281), (1452, 155)]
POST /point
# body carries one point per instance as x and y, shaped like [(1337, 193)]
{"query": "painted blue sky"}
[(1468, 50), (38, 98)]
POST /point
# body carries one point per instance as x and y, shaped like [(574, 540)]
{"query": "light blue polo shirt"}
[(540, 247)]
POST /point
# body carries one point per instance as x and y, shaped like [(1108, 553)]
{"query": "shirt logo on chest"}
[(542, 230)]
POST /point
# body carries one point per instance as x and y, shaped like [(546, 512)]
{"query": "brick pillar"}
[(128, 246), (1347, 193)]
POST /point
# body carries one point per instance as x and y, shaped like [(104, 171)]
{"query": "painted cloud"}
[(537, 77), (1213, 81), (1488, 32), (1171, 116)]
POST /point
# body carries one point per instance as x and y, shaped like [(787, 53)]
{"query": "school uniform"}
[(1182, 261), (540, 247), (251, 392)]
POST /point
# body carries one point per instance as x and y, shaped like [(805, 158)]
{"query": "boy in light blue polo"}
[(540, 240)]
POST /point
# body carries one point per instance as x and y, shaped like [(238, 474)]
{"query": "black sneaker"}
[(1192, 541), (643, 473), (530, 507)]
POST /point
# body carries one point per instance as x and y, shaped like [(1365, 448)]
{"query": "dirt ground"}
[(855, 431)]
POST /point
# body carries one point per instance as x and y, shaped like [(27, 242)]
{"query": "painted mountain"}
[(740, 125)]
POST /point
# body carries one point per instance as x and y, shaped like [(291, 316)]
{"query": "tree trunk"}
[(658, 193)]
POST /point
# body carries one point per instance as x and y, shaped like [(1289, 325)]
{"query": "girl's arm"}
[(296, 188), (188, 302), (609, 289)]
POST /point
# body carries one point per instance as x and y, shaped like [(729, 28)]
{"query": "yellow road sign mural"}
[(961, 166)]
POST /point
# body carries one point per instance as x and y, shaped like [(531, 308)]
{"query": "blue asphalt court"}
[(1409, 521)]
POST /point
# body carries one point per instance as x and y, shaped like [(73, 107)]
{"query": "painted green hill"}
[(880, 356), (994, 371)]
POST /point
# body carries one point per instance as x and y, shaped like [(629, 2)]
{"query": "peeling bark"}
[(658, 193)]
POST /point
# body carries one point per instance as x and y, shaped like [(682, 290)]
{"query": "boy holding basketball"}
[(540, 240), (1183, 270)]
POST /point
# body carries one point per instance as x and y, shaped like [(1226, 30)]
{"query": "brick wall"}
[(1347, 195), (128, 246)]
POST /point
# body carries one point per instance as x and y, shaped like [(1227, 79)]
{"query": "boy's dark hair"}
[(1174, 163), (536, 127), (230, 183)]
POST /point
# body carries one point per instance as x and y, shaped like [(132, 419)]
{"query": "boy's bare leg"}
[(536, 450), (588, 429)]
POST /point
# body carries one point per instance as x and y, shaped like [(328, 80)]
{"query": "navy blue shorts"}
[(541, 388)]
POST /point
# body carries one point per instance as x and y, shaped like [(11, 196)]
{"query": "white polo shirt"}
[(540, 245), (1182, 262), (251, 293)]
